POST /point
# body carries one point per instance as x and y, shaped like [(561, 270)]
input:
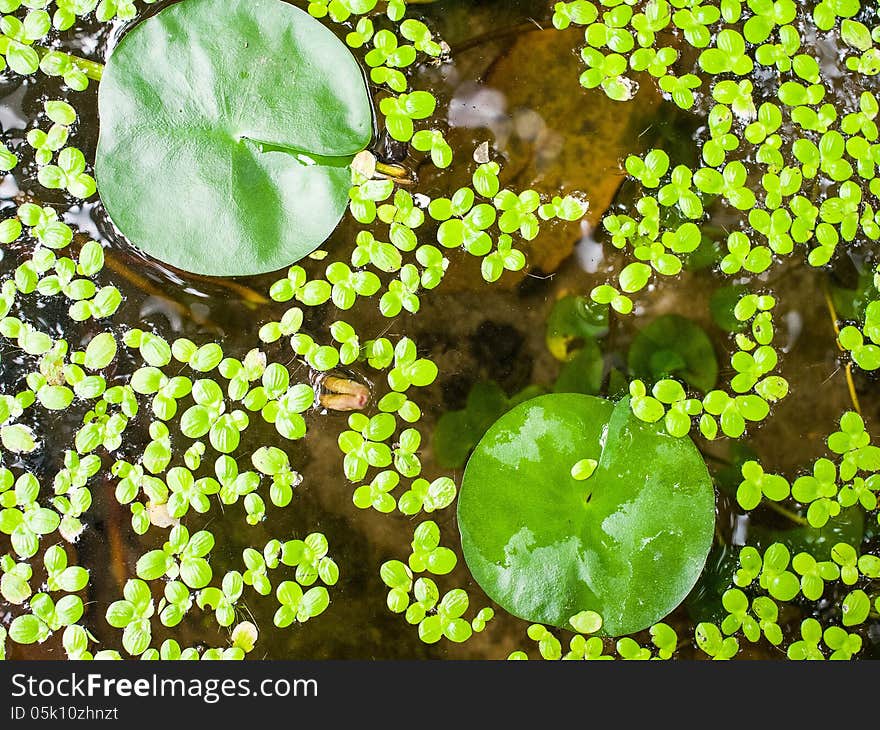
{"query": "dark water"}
[(474, 332)]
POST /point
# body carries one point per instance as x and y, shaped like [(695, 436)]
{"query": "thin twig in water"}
[(495, 35), (788, 514), (832, 311)]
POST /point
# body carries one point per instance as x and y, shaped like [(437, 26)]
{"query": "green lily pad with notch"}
[(629, 542), (674, 346), (227, 132)]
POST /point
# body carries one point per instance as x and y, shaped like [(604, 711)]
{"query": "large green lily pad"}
[(628, 542), (227, 130)]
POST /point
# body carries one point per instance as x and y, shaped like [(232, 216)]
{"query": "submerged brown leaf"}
[(574, 140)]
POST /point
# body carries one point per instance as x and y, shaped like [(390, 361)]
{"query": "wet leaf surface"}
[(242, 119), (629, 542)]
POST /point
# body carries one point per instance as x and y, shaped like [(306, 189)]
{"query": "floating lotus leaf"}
[(629, 542), (227, 130)]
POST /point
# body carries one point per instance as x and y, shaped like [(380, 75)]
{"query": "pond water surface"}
[(515, 86)]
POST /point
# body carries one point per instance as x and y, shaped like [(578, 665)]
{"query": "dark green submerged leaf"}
[(674, 346), (848, 527), (227, 128), (544, 551), (458, 432), (573, 321)]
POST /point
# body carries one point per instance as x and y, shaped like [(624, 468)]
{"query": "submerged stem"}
[(92, 69), (832, 311), (778, 508), (496, 35), (787, 513), (718, 459)]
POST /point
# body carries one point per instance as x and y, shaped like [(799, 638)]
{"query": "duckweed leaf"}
[(628, 543), (242, 118)]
